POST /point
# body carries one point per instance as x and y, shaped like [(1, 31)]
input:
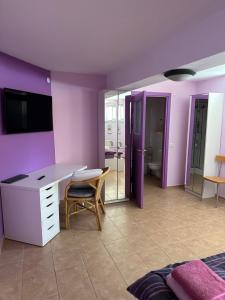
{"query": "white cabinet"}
[(31, 206), (30, 216)]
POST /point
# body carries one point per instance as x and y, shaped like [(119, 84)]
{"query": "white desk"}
[(31, 206)]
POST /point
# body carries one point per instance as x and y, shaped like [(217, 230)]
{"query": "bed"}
[(153, 285)]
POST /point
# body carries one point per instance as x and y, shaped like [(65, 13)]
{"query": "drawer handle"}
[(51, 227), (49, 188), (49, 204), (49, 196), (50, 216)]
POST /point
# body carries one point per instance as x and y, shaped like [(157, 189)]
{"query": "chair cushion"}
[(84, 191), (86, 174)]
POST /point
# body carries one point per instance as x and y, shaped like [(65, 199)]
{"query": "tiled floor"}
[(83, 263)]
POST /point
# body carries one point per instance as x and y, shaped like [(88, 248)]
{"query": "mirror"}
[(115, 145)]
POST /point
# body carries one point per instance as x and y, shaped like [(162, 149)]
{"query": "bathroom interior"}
[(154, 125)]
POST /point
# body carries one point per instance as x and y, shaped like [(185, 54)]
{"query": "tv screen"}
[(26, 112)]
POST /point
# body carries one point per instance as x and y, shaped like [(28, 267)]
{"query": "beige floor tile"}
[(89, 264), (38, 284), (74, 283), (131, 267), (11, 257), (66, 239), (66, 259), (179, 252), (12, 245), (38, 259), (10, 281), (203, 248), (108, 282)]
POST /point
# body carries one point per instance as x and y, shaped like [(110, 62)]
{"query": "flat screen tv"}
[(26, 112)]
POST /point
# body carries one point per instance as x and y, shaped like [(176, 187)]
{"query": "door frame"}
[(165, 155)]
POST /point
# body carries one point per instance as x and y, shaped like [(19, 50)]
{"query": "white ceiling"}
[(92, 36), (206, 68)]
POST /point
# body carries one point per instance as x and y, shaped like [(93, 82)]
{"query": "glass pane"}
[(115, 144), (137, 114), (111, 145), (121, 111), (121, 146)]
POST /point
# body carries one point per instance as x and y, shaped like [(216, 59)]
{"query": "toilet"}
[(148, 158), (155, 166)]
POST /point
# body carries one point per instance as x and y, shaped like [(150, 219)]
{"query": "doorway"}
[(154, 128), (142, 161)]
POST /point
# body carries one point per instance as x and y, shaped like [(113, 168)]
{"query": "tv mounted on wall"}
[(26, 112)]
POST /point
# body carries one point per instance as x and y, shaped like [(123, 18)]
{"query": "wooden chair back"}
[(95, 182), (220, 159), (100, 182)]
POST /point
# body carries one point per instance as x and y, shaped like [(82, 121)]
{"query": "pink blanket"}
[(176, 288), (199, 281)]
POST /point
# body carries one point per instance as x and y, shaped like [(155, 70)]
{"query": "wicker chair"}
[(85, 195)]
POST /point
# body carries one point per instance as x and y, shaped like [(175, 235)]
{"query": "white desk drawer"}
[(47, 211), (49, 200), (54, 218), (48, 191), (48, 223), (50, 232)]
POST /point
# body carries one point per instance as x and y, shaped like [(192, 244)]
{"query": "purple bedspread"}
[(153, 285)]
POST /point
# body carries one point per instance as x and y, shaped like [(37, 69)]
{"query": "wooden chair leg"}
[(66, 215), (217, 195), (102, 205), (98, 216)]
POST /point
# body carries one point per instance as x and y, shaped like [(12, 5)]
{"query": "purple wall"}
[(23, 152)]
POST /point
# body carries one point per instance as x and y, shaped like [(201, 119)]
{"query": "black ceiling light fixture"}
[(179, 74)]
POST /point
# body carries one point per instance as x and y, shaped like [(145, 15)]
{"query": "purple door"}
[(138, 111), (128, 147)]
